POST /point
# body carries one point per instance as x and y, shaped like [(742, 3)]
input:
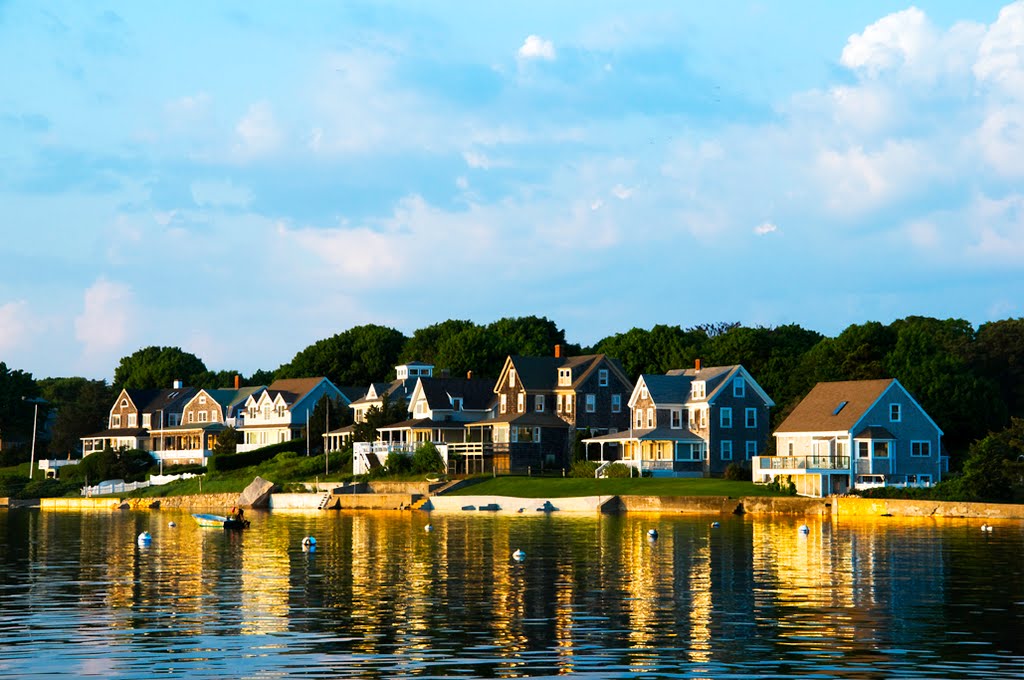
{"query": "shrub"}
[(618, 471), (223, 462), (783, 483), (737, 472), (584, 468), (398, 464), (427, 459)]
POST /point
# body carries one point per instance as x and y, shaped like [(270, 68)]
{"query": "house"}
[(406, 376), (440, 408), (279, 412), (855, 434), (691, 422), (135, 412), (542, 402), (203, 417)]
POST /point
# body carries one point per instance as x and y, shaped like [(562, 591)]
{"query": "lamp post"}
[(35, 420)]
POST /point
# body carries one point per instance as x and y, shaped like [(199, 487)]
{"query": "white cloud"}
[(1001, 138), (891, 42), (765, 228), (220, 193), (14, 325), (1001, 53), (535, 47), (621, 192), (257, 131), (856, 181), (475, 159), (107, 317)]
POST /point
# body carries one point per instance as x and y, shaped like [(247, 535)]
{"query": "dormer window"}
[(697, 390), (602, 377), (564, 377), (644, 394), (202, 399), (456, 403), (124, 403)]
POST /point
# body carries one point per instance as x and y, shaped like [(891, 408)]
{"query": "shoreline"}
[(836, 506)]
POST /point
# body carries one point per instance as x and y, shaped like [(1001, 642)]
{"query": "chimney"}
[(558, 351), (696, 365), (238, 380), (469, 375)]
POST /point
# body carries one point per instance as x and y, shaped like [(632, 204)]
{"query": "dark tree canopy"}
[(157, 367), (82, 408), (358, 356), (15, 413)]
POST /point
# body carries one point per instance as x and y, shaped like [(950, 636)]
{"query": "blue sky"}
[(241, 180)]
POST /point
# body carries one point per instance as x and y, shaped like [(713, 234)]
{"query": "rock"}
[(256, 495)]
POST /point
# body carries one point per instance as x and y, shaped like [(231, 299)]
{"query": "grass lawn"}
[(555, 487)]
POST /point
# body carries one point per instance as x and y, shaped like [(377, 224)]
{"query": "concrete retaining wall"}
[(372, 501), (681, 504), (513, 505), (788, 505), (295, 501), (851, 506)]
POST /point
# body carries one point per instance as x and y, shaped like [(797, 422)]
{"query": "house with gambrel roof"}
[(855, 434), (691, 422), (134, 414), (203, 417)]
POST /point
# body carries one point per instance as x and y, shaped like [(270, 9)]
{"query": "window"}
[(739, 387), (616, 403), (689, 452), (504, 403), (751, 449), (538, 403), (602, 377), (456, 403), (920, 449), (924, 480), (591, 403), (191, 416), (725, 417), (650, 417), (174, 419), (676, 421), (124, 403), (726, 449), (521, 402), (568, 403), (894, 413), (202, 416), (639, 418), (511, 377), (644, 394), (880, 450), (132, 420), (789, 448), (213, 415), (559, 401), (564, 376), (147, 420), (115, 420), (697, 390), (421, 408), (751, 417), (839, 408), (862, 449), (202, 399)]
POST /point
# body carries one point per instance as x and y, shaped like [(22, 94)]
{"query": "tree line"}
[(970, 380)]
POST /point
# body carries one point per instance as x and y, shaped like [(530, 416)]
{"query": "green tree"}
[(16, 414), (82, 408), (227, 441), (998, 355), (525, 336), (156, 367), (260, 377), (658, 350), (426, 459), (994, 467), (358, 356)]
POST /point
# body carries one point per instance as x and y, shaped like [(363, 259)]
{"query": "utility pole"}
[(35, 420)]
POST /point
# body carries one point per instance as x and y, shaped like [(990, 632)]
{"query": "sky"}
[(243, 179)]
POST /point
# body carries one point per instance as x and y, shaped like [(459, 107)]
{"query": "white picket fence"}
[(118, 486)]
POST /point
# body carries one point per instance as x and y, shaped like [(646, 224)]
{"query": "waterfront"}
[(383, 597)]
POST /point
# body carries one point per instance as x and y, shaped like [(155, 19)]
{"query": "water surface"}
[(595, 597)]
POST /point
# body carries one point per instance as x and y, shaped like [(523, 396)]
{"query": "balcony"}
[(801, 464)]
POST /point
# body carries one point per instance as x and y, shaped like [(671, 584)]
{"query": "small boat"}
[(220, 521)]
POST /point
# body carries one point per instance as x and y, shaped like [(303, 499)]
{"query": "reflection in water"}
[(381, 597)]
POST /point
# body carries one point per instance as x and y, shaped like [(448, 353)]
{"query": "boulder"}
[(256, 495)]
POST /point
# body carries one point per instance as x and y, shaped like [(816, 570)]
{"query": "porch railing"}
[(801, 462)]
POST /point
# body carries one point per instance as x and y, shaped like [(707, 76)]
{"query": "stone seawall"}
[(788, 505), (681, 504), (851, 506)]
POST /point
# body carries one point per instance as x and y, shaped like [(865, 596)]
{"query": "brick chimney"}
[(238, 381), (558, 351), (696, 365)]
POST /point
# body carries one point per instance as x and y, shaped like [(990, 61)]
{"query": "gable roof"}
[(292, 389), (540, 374), (666, 389), (819, 411), (476, 393)]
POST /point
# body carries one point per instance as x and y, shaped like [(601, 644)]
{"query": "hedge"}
[(224, 462)]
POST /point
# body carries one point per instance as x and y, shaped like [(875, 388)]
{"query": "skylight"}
[(839, 408)]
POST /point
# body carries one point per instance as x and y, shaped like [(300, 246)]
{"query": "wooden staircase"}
[(325, 501)]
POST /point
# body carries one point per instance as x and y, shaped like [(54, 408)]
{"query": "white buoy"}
[(309, 543), (518, 555), (652, 534), (172, 524), (145, 538), (986, 527), (428, 528), (715, 525), (804, 529)]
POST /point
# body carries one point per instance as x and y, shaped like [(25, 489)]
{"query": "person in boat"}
[(236, 514)]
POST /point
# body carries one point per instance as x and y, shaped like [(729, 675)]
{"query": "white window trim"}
[(725, 418), (504, 403), (722, 446), (676, 419), (521, 402), (559, 401), (650, 417), (750, 412)]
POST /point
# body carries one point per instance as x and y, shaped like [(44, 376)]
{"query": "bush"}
[(783, 483), (584, 468), (618, 471), (398, 464), (11, 485), (737, 472), (427, 459), (223, 462)]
